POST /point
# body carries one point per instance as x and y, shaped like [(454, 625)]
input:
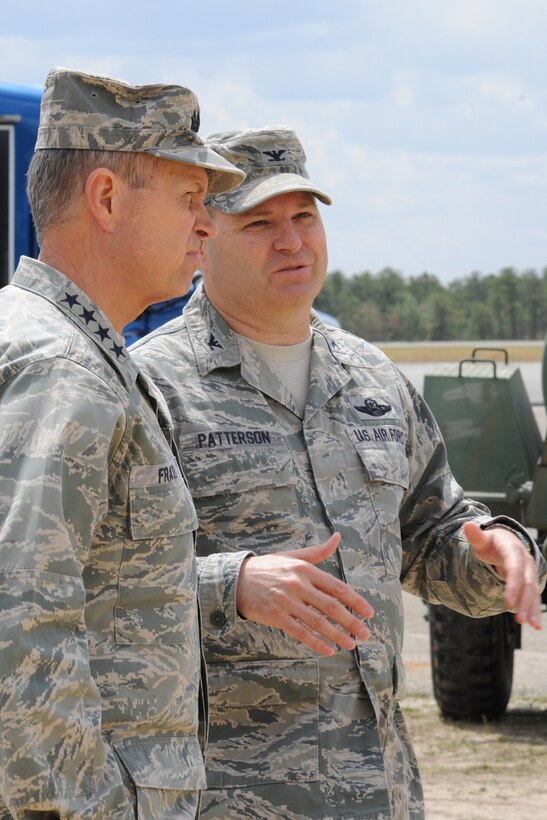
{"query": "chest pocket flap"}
[(244, 486), (225, 461), (385, 462), (160, 504)]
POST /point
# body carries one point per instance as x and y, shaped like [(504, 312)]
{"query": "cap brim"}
[(223, 176), (254, 191)]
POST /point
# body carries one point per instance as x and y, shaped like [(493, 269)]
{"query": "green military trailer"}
[(497, 454)]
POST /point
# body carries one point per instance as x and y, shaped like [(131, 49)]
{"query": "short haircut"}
[(57, 177)]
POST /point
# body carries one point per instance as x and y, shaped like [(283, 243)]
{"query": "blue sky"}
[(426, 122)]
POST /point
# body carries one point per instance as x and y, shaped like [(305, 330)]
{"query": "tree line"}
[(388, 306)]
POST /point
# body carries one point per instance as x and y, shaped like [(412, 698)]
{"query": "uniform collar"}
[(213, 341), (336, 342), (216, 345), (51, 284)]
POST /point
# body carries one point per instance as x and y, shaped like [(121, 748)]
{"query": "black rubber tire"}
[(471, 663)]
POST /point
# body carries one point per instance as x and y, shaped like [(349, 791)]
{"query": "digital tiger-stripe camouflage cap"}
[(274, 163), (92, 112)]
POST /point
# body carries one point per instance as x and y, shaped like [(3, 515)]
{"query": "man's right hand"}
[(287, 591)]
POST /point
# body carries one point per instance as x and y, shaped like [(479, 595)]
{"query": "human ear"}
[(102, 191)]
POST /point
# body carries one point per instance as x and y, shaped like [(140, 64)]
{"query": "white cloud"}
[(404, 90), (484, 20), (505, 90)]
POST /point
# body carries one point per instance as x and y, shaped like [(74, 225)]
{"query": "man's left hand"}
[(514, 563)]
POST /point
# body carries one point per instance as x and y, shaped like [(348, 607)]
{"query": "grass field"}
[(454, 351)]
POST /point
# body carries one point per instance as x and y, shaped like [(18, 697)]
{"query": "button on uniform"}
[(217, 618)]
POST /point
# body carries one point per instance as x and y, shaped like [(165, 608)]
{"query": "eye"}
[(257, 223), (196, 199)]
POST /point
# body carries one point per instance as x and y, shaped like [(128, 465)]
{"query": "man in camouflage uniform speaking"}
[(289, 433), (99, 633)]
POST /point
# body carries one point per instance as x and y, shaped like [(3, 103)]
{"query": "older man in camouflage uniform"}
[(289, 433), (99, 633)]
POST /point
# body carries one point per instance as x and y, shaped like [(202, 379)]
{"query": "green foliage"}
[(387, 306)]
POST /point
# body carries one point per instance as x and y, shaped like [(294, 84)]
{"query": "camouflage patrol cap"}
[(274, 162), (91, 112)]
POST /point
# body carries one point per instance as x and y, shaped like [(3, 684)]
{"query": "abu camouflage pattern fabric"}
[(91, 112), (99, 635), (292, 734), (252, 466), (274, 162)]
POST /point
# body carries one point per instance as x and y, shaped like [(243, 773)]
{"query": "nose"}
[(203, 224), (288, 239)]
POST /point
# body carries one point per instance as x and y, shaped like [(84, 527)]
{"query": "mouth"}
[(294, 268)]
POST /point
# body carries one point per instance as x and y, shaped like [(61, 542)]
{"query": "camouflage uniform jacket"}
[(99, 634), (292, 734)]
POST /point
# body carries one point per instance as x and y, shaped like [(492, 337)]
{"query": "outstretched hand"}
[(510, 558), (287, 591)]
